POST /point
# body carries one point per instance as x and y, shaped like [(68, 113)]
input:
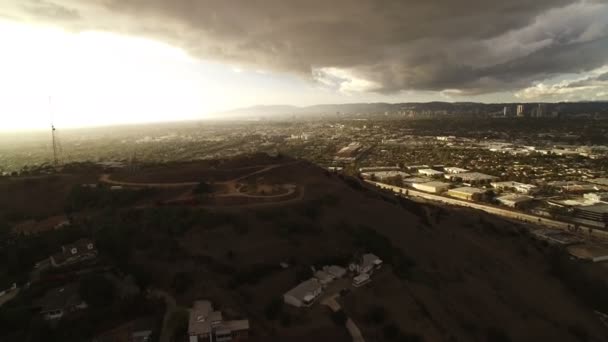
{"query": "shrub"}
[(497, 335), (579, 332), (339, 317), (203, 188), (376, 315), (181, 282), (96, 290), (391, 331), (273, 309)]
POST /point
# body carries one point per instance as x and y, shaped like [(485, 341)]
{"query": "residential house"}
[(206, 324), (60, 301), (336, 271), (324, 277), (367, 264), (304, 294), (79, 251), (138, 330)]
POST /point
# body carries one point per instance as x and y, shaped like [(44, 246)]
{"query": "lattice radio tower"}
[(56, 145)]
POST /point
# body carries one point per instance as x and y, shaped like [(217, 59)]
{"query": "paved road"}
[(352, 328), (171, 308), (512, 214), (12, 294)]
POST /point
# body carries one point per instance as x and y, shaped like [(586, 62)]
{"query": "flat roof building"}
[(381, 175), (467, 193), (516, 186), (595, 212), (472, 178), (593, 253), (515, 200), (455, 170), (430, 172), (432, 187)]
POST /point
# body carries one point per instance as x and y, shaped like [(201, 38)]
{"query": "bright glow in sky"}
[(99, 78)]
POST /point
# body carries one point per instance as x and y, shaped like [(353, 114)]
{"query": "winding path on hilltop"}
[(231, 186)]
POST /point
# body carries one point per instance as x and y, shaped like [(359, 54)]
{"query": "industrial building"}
[(467, 193), (455, 170), (597, 213), (430, 172), (472, 178), (515, 186), (515, 200), (432, 187)]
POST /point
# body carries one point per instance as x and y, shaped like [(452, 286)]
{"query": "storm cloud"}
[(466, 46)]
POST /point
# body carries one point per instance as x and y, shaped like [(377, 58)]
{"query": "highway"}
[(511, 214)]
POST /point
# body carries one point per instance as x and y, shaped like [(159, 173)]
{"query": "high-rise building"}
[(541, 111), (505, 111), (520, 111)]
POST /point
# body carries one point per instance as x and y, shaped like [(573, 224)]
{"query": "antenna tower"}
[(55, 138)]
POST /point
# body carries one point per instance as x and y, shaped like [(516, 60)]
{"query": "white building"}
[(336, 271), (514, 200), (323, 277), (432, 187), (596, 197), (471, 178), (361, 280), (454, 170), (516, 186), (367, 264), (304, 294), (382, 175), (430, 172)]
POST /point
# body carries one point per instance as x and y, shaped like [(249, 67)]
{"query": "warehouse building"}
[(467, 193), (432, 187)]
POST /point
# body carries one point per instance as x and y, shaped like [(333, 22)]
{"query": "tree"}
[(96, 290), (203, 188), (339, 317), (273, 309), (376, 315)]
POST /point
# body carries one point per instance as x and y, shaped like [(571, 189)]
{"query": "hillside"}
[(450, 274)]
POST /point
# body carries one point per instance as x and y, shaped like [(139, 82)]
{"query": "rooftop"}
[(515, 198), (436, 184), (305, 288), (475, 176), (61, 297), (468, 190)]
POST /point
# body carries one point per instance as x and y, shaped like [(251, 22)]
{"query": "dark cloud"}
[(50, 10), (475, 46)]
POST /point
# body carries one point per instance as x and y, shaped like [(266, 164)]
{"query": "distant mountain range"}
[(445, 108)]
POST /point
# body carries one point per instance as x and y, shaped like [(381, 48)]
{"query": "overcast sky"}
[(118, 61)]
